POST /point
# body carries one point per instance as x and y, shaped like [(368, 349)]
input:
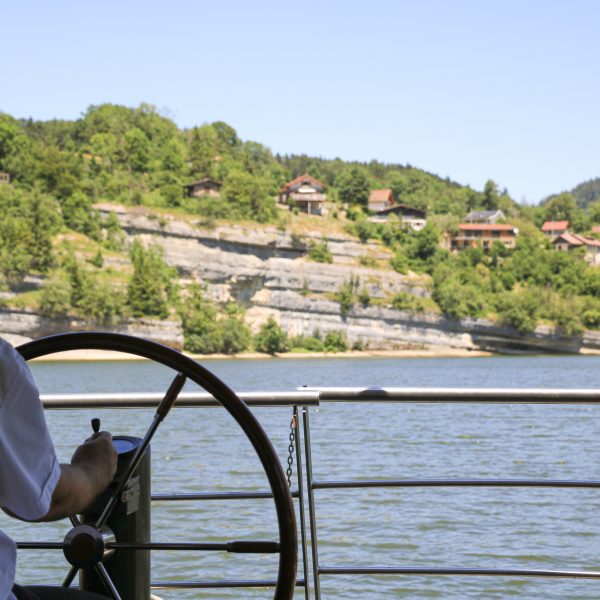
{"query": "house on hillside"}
[(483, 235), (380, 200), (555, 228), (4, 178), (408, 215), (203, 187), (566, 242), (485, 216), (305, 192)]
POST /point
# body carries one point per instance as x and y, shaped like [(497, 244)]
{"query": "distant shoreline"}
[(109, 355)]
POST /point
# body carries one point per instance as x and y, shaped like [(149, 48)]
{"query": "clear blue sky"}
[(469, 89)]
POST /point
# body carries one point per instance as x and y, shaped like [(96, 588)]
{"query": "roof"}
[(298, 181), (401, 207), (486, 227), (483, 214), (554, 225), (381, 196), (204, 180), (577, 240)]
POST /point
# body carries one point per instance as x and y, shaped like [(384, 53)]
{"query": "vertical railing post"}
[(301, 506), (311, 504)]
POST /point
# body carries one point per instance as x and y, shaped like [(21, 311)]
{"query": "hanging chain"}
[(290, 459)]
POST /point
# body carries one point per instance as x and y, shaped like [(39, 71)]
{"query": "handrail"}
[(460, 395), (184, 400), (314, 396)]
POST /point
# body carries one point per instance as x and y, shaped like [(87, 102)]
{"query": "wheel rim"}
[(168, 357)]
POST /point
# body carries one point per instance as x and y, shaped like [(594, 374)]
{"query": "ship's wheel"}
[(185, 368)]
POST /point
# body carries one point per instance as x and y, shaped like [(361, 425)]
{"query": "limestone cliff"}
[(266, 271)]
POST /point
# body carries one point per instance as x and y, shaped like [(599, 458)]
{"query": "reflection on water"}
[(203, 450)]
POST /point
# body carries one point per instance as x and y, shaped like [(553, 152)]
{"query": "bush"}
[(271, 338), (364, 297), (346, 295), (335, 341), (320, 252), (520, 310), (235, 335), (310, 343), (55, 300), (399, 262)]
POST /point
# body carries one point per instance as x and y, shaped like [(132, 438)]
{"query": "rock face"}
[(267, 272), (18, 327)]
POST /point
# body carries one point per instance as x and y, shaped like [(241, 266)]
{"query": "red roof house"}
[(380, 200), (554, 228), (483, 235), (570, 241)]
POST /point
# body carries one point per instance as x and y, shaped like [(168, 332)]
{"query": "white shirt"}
[(29, 470)]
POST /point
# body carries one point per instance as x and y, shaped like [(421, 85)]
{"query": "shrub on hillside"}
[(271, 338)]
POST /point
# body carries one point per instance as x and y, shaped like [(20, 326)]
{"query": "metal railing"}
[(306, 397)]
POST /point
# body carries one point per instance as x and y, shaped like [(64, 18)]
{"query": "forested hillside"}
[(59, 170)]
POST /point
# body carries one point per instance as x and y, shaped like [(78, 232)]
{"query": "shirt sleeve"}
[(29, 469)]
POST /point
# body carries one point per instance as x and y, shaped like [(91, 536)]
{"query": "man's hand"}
[(98, 457), (92, 468)]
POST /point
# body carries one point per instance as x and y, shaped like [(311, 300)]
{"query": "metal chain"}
[(290, 459)]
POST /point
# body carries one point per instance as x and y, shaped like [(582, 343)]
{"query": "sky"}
[(507, 90)]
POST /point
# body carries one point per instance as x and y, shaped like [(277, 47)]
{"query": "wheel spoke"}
[(107, 581), (161, 412), (69, 578)]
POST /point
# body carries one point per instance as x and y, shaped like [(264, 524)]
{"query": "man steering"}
[(33, 485)]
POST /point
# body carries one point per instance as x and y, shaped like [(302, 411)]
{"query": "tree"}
[(271, 338), (560, 208), (490, 195), (353, 186), (248, 196), (520, 309), (55, 299), (138, 149), (150, 287)]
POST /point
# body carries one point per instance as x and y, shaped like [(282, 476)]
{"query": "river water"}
[(203, 450)]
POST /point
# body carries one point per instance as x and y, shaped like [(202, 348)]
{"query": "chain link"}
[(290, 459)]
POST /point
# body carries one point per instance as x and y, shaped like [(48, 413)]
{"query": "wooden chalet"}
[(305, 192), (408, 215), (380, 200), (566, 242), (203, 187), (483, 235), (4, 178), (555, 228)]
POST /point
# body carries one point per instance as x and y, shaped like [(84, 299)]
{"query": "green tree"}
[(201, 329), (353, 186), (138, 149), (55, 298), (248, 196), (520, 309), (271, 338), (151, 285), (560, 208)]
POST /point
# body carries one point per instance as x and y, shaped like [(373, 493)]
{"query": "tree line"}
[(137, 156)]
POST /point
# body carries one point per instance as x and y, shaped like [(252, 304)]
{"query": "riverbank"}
[(105, 355)]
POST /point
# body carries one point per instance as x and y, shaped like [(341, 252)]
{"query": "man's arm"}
[(92, 468)]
